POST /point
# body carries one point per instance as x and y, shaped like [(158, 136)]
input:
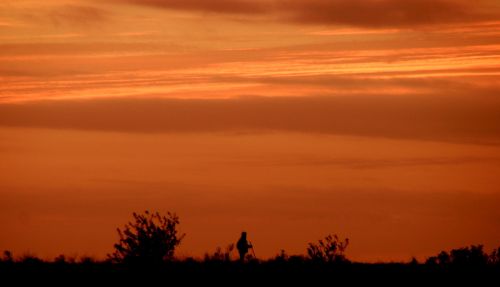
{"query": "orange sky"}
[(292, 119)]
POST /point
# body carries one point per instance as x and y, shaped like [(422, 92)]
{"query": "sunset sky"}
[(377, 120)]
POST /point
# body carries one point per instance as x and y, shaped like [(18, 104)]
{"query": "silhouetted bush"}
[(431, 261), (473, 256), (494, 257), (150, 239), (61, 259), (444, 258), (29, 259), (283, 270), (329, 249), (281, 257), (7, 257), (219, 255)]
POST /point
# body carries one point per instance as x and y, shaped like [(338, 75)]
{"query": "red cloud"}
[(387, 13), (441, 118), (78, 14), (365, 13), (216, 6)]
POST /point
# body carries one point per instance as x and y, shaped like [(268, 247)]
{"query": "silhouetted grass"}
[(282, 270)]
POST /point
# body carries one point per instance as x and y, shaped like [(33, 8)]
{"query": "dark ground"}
[(253, 273)]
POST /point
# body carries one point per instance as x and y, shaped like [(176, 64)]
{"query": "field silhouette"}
[(145, 254)]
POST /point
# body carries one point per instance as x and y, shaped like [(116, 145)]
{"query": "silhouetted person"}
[(243, 246)]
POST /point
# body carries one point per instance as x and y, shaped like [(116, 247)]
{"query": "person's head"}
[(243, 234)]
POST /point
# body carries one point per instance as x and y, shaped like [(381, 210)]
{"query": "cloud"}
[(364, 13), (77, 15), (386, 13), (366, 164), (215, 6), (442, 118)]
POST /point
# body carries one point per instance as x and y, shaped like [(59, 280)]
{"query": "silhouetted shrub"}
[(87, 260), (329, 249), (469, 256), (29, 259), (281, 257), (61, 259), (251, 258), (219, 255), (431, 261), (296, 259), (150, 239), (494, 257), (461, 257), (443, 258), (7, 256), (413, 261)]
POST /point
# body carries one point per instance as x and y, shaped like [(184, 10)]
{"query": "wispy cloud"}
[(384, 13), (77, 15), (216, 6), (389, 13), (366, 163)]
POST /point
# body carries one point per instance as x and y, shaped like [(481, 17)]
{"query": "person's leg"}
[(242, 256)]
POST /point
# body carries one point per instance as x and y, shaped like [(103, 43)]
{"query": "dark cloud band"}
[(442, 118), (365, 13)]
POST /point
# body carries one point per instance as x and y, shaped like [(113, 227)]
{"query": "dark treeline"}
[(145, 253)]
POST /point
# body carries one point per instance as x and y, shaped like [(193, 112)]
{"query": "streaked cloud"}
[(217, 6), (443, 118), (362, 13), (390, 13), (77, 15)]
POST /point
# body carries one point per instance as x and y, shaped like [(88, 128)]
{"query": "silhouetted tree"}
[(150, 239), (329, 249)]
